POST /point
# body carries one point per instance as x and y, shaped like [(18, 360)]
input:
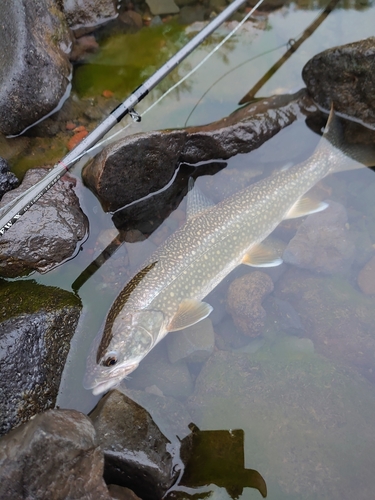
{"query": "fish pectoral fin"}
[(306, 206), (261, 256), (189, 312)]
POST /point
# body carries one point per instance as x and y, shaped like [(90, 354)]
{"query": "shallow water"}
[(302, 395)]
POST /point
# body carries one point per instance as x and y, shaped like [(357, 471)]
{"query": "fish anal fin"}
[(306, 206), (189, 313), (261, 256), (197, 202)]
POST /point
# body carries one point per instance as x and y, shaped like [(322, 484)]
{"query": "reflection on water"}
[(303, 393)]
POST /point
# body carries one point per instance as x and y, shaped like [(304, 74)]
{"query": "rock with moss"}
[(308, 424), (34, 66), (37, 324)]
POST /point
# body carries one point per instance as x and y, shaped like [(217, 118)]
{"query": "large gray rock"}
[(37, 324), (88, 13), (344, 76), (137, 455), (34, 68), (47, 234), (137, 165), (53, 457)]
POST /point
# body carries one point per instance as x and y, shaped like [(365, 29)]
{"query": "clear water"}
[(304, 401)]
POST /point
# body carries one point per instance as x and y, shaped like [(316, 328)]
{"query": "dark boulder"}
[(137, 455), (8, 180), (344, 76), (137, 165), (34, 67), (37, 324), (47, 234), (53, 457)]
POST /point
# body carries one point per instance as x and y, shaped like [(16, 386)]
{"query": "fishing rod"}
[(12, 212)]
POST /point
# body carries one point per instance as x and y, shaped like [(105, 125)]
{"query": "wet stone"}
[(194, 344), (34, 67), (139, 164), (245, 296), (344, 75), (48, 233), (137, 455), (37, 324), (162, 7), (120, 493), (8, 180), (54, 456), (323, 243), (88, 13)]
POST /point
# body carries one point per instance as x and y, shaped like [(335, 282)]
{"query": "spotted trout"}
[(166, 294)]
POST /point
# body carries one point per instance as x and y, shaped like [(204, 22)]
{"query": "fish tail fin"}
[(349, 155)]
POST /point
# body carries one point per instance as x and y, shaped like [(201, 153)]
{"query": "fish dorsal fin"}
[(190, 311), (261, 256), (197, 202), (352, 155), (306, 206)]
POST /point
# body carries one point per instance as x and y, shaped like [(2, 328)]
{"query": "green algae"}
[(126, 60), (27, 297)]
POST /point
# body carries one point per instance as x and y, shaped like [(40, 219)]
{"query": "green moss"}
[(27, 297), (126, 60)]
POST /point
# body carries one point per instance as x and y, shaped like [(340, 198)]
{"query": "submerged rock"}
[(88, 13), (366, 278), (54, 456), (323, 242), (137, 455), (137, 165), (34, 67), (37, 324), (8, 180), (47, 234), (156, 371), (245, 296), (344, 76), (338, 318), (193, 344), (308, 425)]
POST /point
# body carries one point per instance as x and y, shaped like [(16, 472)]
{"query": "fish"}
[(167, 292)]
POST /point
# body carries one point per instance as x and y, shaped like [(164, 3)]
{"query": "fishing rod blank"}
[(16, 208)]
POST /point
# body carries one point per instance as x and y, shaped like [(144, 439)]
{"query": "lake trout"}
[(166, 294)]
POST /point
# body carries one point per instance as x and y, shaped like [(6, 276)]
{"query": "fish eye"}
[(110, 360)]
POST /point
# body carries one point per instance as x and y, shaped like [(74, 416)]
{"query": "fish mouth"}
[(104, 382)]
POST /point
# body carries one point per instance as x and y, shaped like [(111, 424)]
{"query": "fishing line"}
[(191, 72)]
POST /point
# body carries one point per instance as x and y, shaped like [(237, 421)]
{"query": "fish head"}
[(120, 346)]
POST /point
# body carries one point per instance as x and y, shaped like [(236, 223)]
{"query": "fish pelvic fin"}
[(343, 155), (189, 313), (261, 256), (306, 206)]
